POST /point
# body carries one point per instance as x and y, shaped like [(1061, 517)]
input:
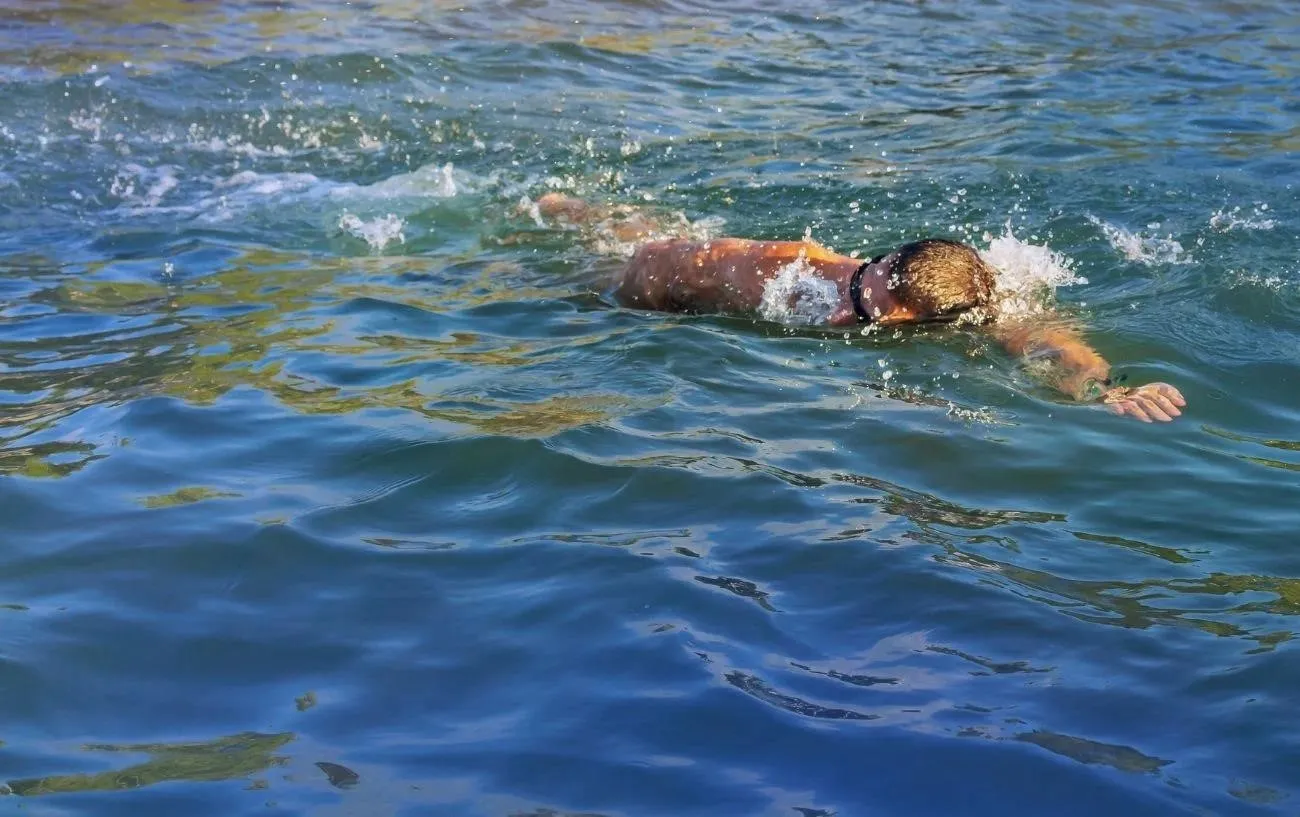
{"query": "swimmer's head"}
[(937, 279)]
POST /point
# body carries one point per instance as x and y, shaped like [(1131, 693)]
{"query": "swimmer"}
[(933, 280)]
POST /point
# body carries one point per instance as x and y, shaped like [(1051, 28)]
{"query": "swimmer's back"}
[(721, 274)]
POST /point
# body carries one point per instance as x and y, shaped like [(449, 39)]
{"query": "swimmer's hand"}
[(1154, 401)]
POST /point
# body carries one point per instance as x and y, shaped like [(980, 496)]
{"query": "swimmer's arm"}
[(725, 275), (624, 223), (676, 275), (1060, 357)]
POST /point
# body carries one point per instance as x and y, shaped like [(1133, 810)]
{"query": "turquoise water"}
[(334, 483)]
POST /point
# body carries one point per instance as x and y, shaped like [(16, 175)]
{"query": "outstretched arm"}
[(623, 223), (1058, 355)]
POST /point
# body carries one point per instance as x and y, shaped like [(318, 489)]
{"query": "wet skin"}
[(729, 275)]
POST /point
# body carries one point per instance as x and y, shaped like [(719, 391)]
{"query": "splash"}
[(143, 188), (438, 181), (1027, 274), (627, 228), (1226, 220), (248, 189), (266, 185), (378, 232), (404, 192), (233, 144), (1145, 249), (429, 181), (1275, 283), (797, 295), (87, 122)]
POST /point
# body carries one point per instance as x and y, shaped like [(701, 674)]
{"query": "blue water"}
[(333, 482)]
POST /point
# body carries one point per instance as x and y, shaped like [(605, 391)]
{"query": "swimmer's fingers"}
[(1168, 392), (1153, 409), (1130, 407), (1165, 404), (1160, 400), (1149, 403)]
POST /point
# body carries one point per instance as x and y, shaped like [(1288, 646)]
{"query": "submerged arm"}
[(623, 223), (1058, 355)]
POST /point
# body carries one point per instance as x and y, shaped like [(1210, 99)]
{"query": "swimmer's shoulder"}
[(733, 250), (716, 247)]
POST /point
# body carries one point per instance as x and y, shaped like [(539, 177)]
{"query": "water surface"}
[(333, 483)]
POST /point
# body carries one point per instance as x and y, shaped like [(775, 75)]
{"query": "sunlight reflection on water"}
[(331, 475)]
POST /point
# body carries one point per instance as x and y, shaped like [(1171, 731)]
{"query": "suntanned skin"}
[(729, 275)]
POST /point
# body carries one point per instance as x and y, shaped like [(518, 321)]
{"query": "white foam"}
[(1027, 274), (234, 144), (156, 183), (166, 183), (978, 416), (438, 181), (249, 189), (1226, 220), (1147, 249), (380, 208), (429, 181), (377, 232), (265, 185), (797, 295), (530, 208)]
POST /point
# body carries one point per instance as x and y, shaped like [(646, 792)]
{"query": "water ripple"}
[(331, 476)]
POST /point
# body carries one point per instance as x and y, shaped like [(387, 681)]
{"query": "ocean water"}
[(332, 482)]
